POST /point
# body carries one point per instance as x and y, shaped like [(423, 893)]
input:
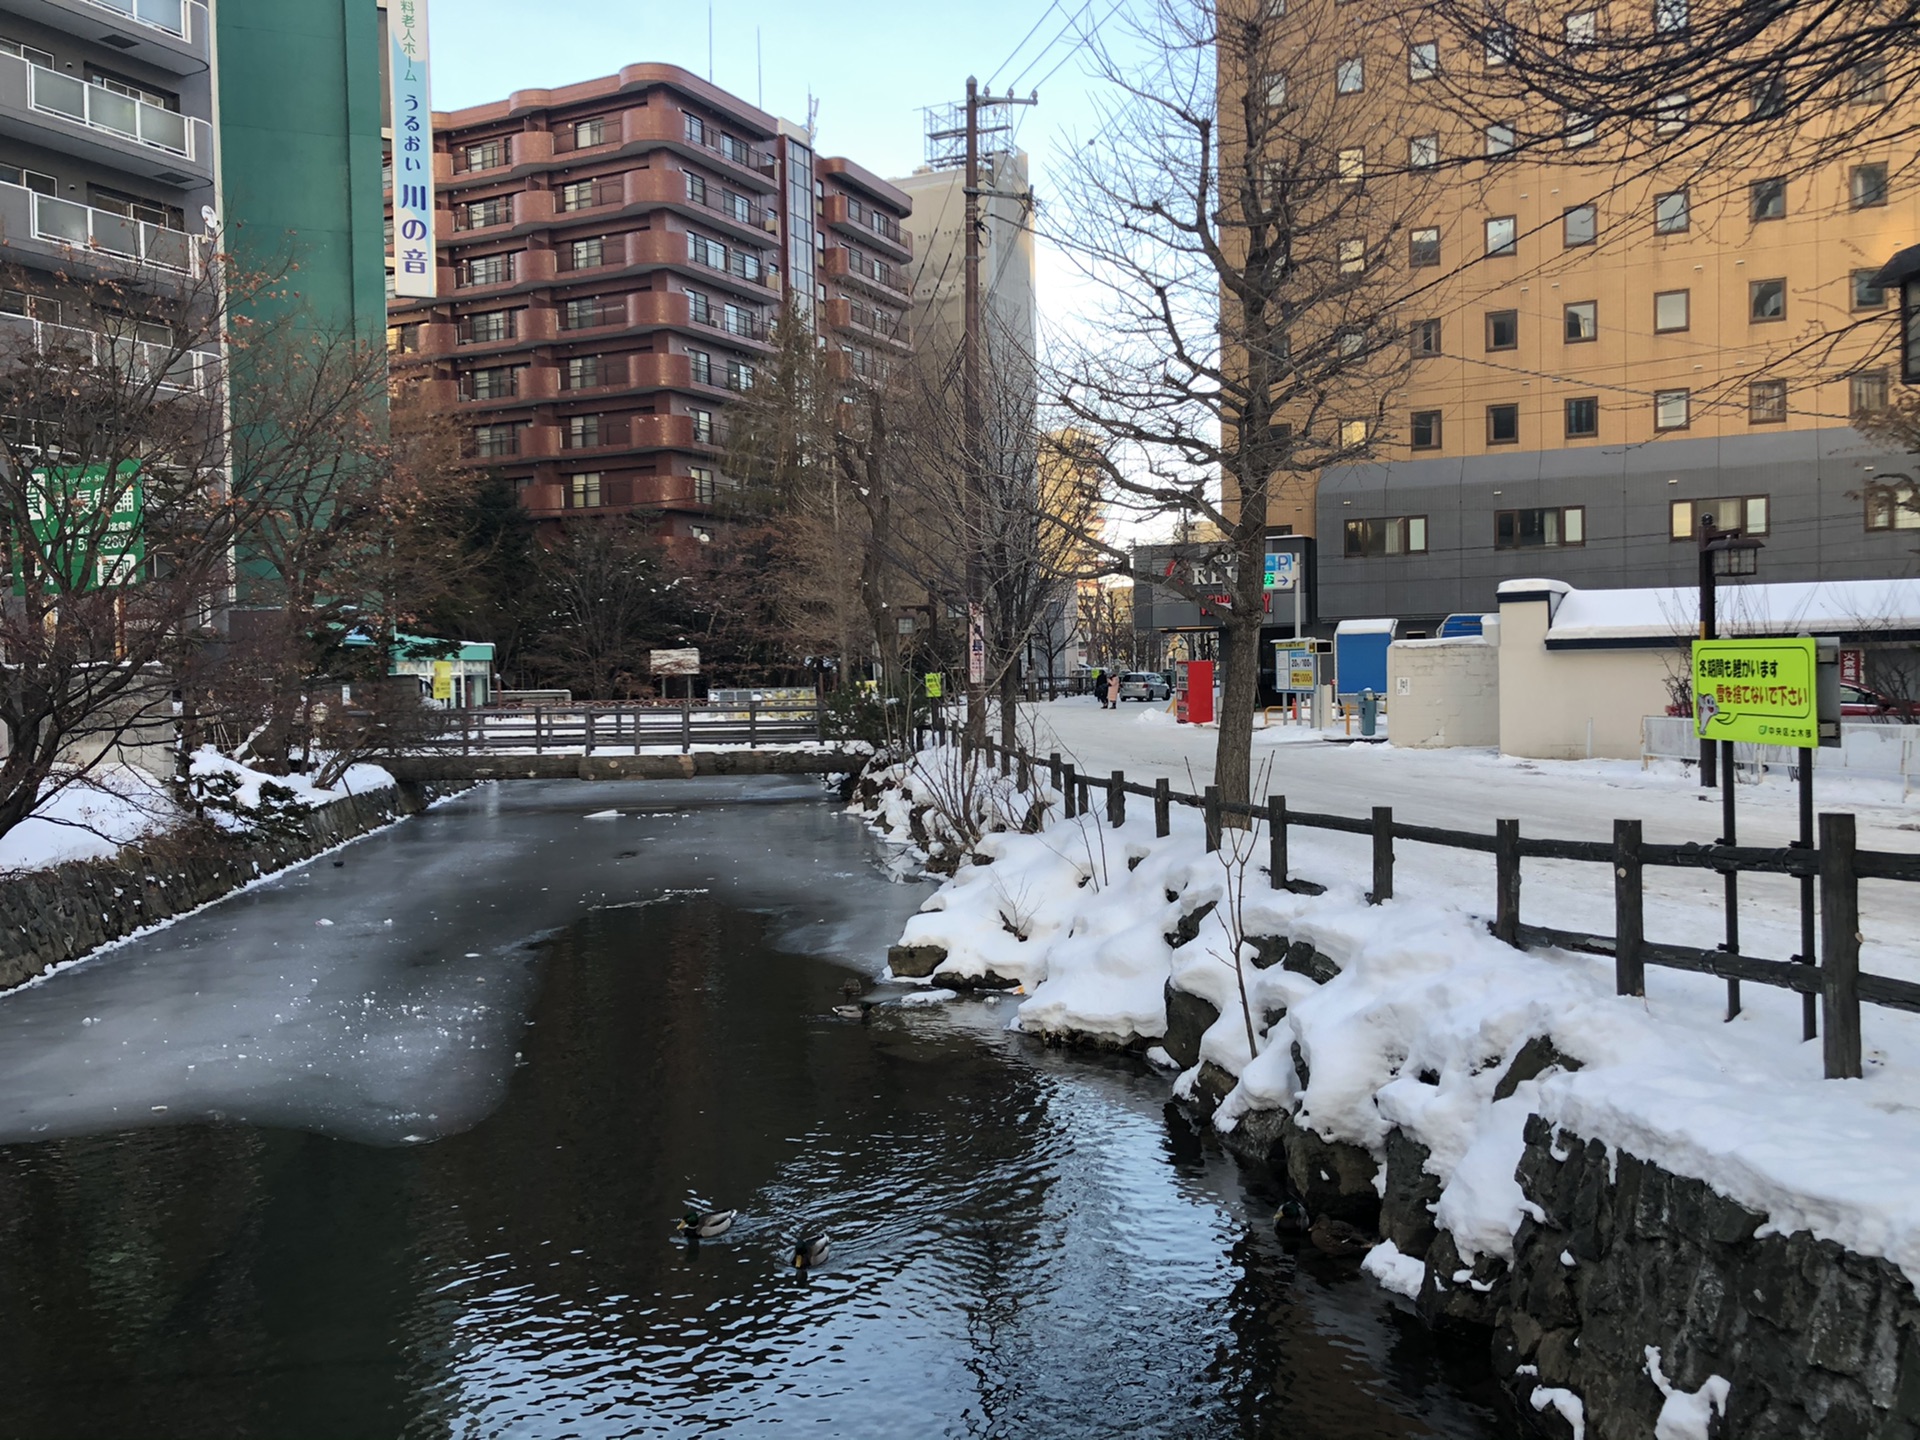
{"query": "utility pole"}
[(973, 420)]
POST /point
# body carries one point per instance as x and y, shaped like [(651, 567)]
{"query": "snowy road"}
[(1470, 789)]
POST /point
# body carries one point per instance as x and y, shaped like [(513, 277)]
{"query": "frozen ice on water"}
[(602, 815)]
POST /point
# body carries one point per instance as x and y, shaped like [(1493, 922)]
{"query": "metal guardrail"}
[(558, 729), (1836, 866)]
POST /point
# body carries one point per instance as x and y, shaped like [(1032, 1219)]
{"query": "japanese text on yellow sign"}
[(1758, 692)]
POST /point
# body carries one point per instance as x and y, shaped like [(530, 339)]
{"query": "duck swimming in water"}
[(706, 1224), (810, 1250), (1292, 1218), (854, 1012)]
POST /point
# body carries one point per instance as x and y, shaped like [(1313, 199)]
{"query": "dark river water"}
[(419, 1178)]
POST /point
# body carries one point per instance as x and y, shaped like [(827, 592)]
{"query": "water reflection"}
[(1024, 1244)]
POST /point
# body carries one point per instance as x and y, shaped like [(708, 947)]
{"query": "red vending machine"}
[(1195, 680)]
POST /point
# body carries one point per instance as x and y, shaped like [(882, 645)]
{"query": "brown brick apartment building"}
[(612, 257)]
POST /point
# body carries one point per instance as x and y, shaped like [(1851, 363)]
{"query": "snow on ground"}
[(1428, 1012), (358, 779), (91, 817)]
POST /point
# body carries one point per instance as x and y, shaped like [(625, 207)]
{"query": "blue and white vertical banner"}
[(414, 270)]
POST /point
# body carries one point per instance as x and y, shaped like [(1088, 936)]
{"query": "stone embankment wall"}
[(48, 917), (1618, 1256)]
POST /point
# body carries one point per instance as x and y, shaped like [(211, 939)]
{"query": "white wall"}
[(1443, 692), (1549, 698)]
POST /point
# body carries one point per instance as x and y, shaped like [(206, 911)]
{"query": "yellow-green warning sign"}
[(1758, 692)]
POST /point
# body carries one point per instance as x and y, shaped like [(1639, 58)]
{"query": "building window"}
[(403, 339), (1353, 434), (1865, 294), (1672, 409), (1582, 27), (1503, 329), (1671, 213), (1579, 224), (1499, 140), (1867, 392), (587, 254), (1583, 417), (702, 366), (582, 372), (1670, 113), (1867, 85), (1582, 321), (487, 270), (1745, 513), (1391, 535), (703, 486), (710, 253), (1353, 165), (594, 132), (1276, 92), (1578, 129), (1868, 186), (1502, 235), (1767, 402), (583, 432), (1423, 246), (1503, 424), (1767, 97), (485, 329), (1670, 311), (739, 376), (1499, 46), (1893, 505), (1670, 17), (702, 426), (478, 214), (1423, 152), (1353, 344), (583, 491), (485, 155), (1353, 257), (31, 54), (1767, 299), (1549, 527), (1424, 432), (493, 441), (1767, 199), (1423, 60), (592, 310), (1350, 76), (498, 382), (33, 180), (1426, 338)]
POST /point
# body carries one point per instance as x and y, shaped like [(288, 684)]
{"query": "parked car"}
[(1144, 685), (1859, 703)]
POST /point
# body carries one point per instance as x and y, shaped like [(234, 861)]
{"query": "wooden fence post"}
[(1162, 808), (753, 722), (466, 732), (1023, 771), (1629, 914), (539, 729), (586, 728), (1070, 789), (1053, 772), (1839, 949), (1382, 854), (1276, 842), (820, 718), (1506, 865), (1083, 800), (1212, 799), (1117, 799), (686, 726)]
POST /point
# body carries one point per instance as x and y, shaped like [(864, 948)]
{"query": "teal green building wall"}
[(300, 153)]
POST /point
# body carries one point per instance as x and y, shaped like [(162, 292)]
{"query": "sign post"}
[(1283, 574), (675, 662)]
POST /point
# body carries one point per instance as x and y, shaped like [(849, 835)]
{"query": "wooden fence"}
[(1836, 868)]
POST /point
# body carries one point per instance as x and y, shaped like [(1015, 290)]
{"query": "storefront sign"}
[(414, 270), (88, 529)]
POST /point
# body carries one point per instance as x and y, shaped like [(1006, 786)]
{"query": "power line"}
[(1051, 7)]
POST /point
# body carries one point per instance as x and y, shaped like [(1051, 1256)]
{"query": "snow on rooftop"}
[(1810, 607), (1365, 627)]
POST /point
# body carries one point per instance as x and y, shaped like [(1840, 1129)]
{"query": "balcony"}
[(68, 230), (850, 267), (868, 225), (46, 108), (142, 360), (170, 35)]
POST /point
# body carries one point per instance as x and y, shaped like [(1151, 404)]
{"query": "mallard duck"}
[(1338, 1238), (854, 1012), (1292, 1218), (810, 1250), (851, 988), (706, 1224)]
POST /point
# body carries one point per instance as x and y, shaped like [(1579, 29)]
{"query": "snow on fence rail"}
[(1836, 865), (1878, 752), (584, 728)]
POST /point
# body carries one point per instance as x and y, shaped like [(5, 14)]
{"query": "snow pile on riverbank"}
[(90, 817), (246, 787), (1367, 1018)]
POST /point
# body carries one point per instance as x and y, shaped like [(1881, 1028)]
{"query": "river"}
[(395, 1147)]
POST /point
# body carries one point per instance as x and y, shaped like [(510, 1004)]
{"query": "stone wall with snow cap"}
[(1444, 692)]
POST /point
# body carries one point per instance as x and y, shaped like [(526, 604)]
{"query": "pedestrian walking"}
[(1097, 683), (1113, 691)]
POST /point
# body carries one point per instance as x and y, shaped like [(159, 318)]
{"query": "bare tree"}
[(1251, 258)]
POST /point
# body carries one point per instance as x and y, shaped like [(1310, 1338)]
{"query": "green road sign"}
[(80, 548), (1759, 692)]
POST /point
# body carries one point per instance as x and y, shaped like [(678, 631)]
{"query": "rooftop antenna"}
[(709, 42), (760, 68), (813, 115)]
